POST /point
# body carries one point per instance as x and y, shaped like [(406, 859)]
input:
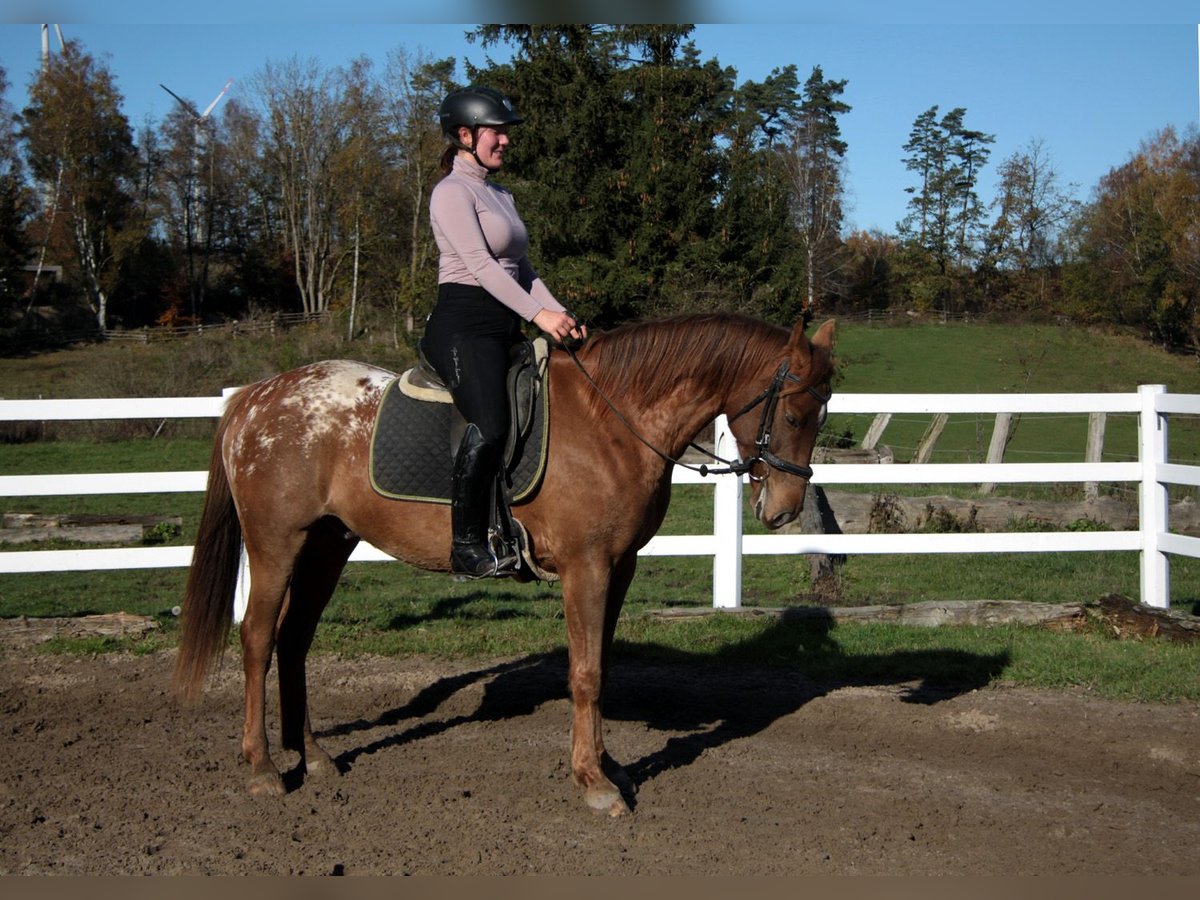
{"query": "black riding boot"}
[(471, 497)]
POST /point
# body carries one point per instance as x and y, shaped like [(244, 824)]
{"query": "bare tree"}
[(1031, 208), (413, 89), (360, 167), (305, 129)]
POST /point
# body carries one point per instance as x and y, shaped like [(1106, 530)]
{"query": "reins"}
[(771, 396)]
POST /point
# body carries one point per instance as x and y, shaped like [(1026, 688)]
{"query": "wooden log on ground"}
[(1127, 619), (26, 630), (930, 613), (86, 528), (95, 534), (1123, 618), (853, 511)]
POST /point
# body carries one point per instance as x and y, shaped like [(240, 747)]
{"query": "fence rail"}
[(1151, 474)]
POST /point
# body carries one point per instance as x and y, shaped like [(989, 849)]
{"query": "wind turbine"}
[(46, 44), (199, 123), (49, 190), (194, 225)]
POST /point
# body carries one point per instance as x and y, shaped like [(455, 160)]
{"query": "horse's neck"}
[(677, 419)]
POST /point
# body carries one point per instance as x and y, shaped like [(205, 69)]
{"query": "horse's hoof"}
[(266, 784), (320, 765), (606, 801)]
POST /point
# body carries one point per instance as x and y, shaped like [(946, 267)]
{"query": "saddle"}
[(526, 370), (418, 430)]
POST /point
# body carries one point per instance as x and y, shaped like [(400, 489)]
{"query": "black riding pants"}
[(468, 339)]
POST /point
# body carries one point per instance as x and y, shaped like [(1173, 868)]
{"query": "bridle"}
[(762, 438), (769, 398)]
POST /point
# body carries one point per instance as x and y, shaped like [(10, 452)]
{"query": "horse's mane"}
[(649, 359)]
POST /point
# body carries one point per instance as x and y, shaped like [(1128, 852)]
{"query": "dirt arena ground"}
[(463, 769)]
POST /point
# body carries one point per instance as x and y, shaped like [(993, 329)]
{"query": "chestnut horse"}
[(289, 478)]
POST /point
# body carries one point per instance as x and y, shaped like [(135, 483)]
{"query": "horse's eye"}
[(791, 420)]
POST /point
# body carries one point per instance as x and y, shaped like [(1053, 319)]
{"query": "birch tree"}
[(413, 88), (79, 142), (305, 128)]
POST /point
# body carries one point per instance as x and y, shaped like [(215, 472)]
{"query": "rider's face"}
[(492, 144)]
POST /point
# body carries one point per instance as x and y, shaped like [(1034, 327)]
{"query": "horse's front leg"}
[(592, 604)]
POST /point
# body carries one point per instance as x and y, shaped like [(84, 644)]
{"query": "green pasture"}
[(990, 358), (391, 608)]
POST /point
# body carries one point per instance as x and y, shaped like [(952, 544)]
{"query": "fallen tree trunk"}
[(1119, 615), (854, 512), (929, 613), (27, 630)]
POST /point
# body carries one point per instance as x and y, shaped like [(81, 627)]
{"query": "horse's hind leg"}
[(270, 575), (313, 583)]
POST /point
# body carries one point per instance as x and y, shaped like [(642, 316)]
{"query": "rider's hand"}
[(560, 325)]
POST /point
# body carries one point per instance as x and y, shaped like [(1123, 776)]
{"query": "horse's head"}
[(793, 410)]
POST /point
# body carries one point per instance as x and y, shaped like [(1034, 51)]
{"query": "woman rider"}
[(486, 289)]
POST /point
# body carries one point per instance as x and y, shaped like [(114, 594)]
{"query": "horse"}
[(289, 481)]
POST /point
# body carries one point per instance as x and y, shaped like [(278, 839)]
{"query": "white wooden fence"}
[(1151, 473)]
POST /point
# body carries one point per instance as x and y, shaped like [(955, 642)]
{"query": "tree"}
[(927, 160), (413, 90), (305, 128), (815, 163), (755, 260), (868, 262), (1139, 242), (189, 174), (969, 152), (946, 213), (79, 143), (360, 165), (248, 218), (1032, 210), (616, 171), (14, 206)]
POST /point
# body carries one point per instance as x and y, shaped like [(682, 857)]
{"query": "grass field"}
[(391, 608)]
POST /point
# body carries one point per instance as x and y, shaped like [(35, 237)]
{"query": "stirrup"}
[(472, 561)]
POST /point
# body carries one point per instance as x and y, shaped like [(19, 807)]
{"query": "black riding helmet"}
[(474, 106)]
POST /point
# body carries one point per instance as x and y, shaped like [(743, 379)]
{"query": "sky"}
[(1089, 91)]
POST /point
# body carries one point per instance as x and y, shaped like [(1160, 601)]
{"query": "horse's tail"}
[(212, 580)]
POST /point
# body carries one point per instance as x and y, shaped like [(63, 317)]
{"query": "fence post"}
[(875, 432), (1153, 508), (1095, 451), (930, 438), (1001, 432), (727, 524)]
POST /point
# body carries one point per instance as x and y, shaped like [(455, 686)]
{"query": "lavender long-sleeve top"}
[(483, 241)]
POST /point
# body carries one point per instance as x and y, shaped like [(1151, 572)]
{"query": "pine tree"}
[(815, 162)]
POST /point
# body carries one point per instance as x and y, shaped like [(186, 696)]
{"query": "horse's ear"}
[(822, 338), (824, 334)]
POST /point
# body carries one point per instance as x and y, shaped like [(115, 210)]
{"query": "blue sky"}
[(1090, 92)]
